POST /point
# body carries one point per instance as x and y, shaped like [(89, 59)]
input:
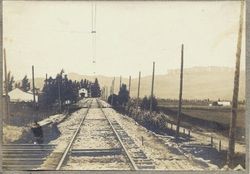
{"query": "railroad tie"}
[(25, 156), (96, 152)]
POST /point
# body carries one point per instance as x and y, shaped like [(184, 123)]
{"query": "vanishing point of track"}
[(135, 161), (121, 145)]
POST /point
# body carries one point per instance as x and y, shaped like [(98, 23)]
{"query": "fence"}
[(160, 122), (21, 113)]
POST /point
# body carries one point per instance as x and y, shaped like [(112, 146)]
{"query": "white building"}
[(17, 95), (221, 103), (83, 92), (224, 103)]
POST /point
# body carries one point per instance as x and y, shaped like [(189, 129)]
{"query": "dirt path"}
[(13, 133)]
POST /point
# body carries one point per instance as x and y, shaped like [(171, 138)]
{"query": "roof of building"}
[(17, 95), (83, 90)]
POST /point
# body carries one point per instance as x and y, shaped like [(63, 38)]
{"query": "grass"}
[(220, 115), (200, 114)]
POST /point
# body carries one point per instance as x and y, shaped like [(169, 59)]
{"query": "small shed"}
[(220, 103), (83, 92)]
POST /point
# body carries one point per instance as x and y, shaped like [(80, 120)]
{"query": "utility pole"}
[(106, 94), (231, 145), (113, 87), (103, 93), (46, 79), (90, 89), (120, 83), (152, 88), (59, 93), (110, 91), (129, 85), (138, 92), (180, 94), (33, 86), (2, 108), (6, 86)]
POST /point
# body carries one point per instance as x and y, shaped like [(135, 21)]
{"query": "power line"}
[(93, 32)]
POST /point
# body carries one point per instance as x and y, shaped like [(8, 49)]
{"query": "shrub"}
[(145, 104)]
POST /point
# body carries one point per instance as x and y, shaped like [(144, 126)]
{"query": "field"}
[(201, 115)]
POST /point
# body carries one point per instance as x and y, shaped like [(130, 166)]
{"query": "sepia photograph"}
[(124, 86)]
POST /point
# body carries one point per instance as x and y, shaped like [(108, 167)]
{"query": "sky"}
[(129, 36)]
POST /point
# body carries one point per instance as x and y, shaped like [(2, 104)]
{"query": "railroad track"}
[(76, 148), (68, 148), (24, 156), (27, 157), (136, 156), (123, 145), (107, 142)]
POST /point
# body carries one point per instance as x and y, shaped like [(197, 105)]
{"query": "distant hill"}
[(39, 82), (199, 83)]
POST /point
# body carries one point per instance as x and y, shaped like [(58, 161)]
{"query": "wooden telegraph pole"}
[(46, 80), (33, 86), (106, 97), (113, 90), (129, 85), (120, 83), (114, 86), (152, 88), (138, 92), (59, 94), (180, 94), (231, 145), (6, 86), (105, 93), (1, 92)]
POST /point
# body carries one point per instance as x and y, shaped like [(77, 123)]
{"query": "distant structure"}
[(17, 95), (220, 103), (83, 92)]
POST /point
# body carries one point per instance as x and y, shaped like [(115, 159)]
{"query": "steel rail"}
[(72, 140), (119, 139)]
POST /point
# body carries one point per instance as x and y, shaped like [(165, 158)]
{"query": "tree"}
[(25, 84), (154, 103), (18, 85), (123, 95), (60, 90), (11, 81), (85, 83), (95, 89), (145, 104), (113, 100), (81, 83)]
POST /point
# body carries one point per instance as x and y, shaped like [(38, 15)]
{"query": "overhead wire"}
[(93, 32)]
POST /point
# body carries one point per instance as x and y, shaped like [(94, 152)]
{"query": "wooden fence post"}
[(220, 146)]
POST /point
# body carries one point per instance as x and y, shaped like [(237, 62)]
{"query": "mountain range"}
[(199, 83)]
